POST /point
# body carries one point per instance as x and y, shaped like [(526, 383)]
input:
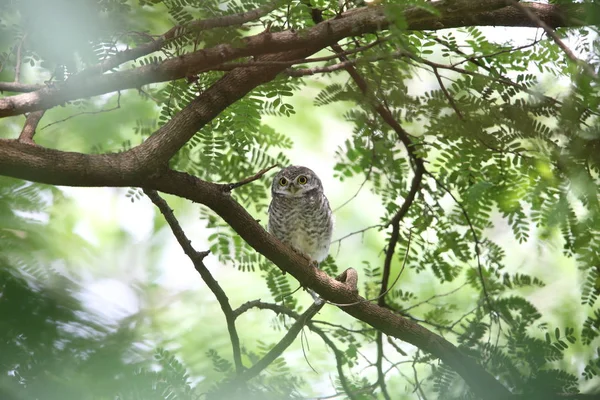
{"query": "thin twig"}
[(379, 366), (31, 123), (447, 94), (339, 356), (475, 240), (230, 186), (366, 389), (364, 331), (304, 339), (503, 79), (436, 296), (395, 346), (439, 327), (197, 258), (338, 66), (104, 110), (367, 176), (472, 59), (417, 383), (357, 232), (451, 67), (463, 316), (283, 344), (381, 295)]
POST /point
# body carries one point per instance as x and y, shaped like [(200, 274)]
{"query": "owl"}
[(299, 213)]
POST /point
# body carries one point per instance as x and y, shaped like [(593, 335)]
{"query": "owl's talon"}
[(306, 256)]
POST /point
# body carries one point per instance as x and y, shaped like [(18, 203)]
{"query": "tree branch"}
[(351, 23), (283, 344), (380, 318), (192, 27), (379, 366), (447, 94), (550, 32), (64, 168), (339, 356), (230, 186), (277, 43), (403, 136), (19, 87), (31, 123), (554, 15), (197, 259)]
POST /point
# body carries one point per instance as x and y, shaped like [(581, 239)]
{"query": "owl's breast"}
[(302, 241), (304, 225)]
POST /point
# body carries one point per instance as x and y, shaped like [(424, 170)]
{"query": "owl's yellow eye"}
[(302, 180), (283, 181)]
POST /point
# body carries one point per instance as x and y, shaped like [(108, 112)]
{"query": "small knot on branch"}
[(201, 255), (350, 278)]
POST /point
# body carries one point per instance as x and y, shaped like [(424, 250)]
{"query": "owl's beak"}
[(294, 189)]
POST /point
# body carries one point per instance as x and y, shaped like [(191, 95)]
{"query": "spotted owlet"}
[(299, 213)]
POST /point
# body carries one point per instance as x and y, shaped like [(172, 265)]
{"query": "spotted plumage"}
[(299, 213)]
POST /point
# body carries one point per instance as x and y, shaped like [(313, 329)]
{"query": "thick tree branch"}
[(31, 123), (63, 168), (19, 87), (71, 168), (330, 289), (151, 156), (198, 260), (194, 26), (352, 23), (304, 42)]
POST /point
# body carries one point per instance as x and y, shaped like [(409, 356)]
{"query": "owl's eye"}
[(302, 180), (283, 181)]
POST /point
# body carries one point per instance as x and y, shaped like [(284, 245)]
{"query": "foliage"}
[(509, 133)]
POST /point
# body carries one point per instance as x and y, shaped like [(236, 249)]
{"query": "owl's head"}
[(296, 181)]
